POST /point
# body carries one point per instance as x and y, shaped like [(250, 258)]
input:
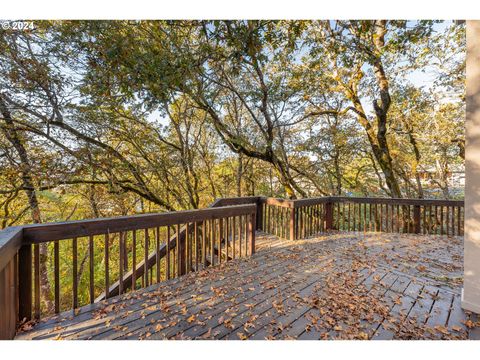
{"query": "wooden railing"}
[(89, 248), (420, 216), (153, 248), (148, 263), (299, 219)]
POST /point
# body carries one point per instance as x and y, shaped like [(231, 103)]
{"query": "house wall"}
[(471, 286)]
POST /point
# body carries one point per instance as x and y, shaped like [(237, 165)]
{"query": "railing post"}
[(329, 215), (25, 282), (416, 219), (182, 237), (259, 224), (251, 229), (292, 223)]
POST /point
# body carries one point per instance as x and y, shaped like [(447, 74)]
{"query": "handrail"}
[(396, 201), (10, 242), (37, 233)]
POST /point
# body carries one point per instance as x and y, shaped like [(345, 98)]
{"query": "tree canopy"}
[(115, 117)]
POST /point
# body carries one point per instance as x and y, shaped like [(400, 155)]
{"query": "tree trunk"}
[(26, 173), (379, 141), (239, 175)]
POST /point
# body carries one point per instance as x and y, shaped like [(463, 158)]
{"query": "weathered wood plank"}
[(37, 233), (268, 294)]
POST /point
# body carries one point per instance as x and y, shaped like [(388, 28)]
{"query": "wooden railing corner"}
[(329, 215), (416, 219)]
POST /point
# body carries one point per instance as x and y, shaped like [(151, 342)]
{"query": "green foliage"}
[(119, 117)]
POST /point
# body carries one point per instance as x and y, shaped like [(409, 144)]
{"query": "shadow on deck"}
[(336, 286)]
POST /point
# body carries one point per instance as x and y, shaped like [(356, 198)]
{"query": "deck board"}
[(334, 286)]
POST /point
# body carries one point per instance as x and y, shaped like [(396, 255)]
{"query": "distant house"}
[(455, 176)]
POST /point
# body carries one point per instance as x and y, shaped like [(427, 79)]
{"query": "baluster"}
[(74, 273), (234, 230), (190, 247), (107, 277), (195, 239), (282, 223), (212, 242), (240, 234), (245, 234), (447, 219), (424, 224), (369, 217), (227, 234), (178, 253), (25, 282), (349, 217), (157, 253), (174, 262), (453, 220), (390, 217), (398, 219), (462, 222), (304, 233), (459, 216), (36, 267), (296, 216), (121, 254), (269, 220), (307, 221), (219, 239), (204, 243), (279, 221), (251, 230), (265, 217), (442, 232), (311, 215), (388, 211), (364, 217), (382, 228), (360, 216), (187, 248), (274, 220), (428, 214), (134, 259), (145, 258), (409, 222), (56, 269), (354, 216), (318, 218), (184, 247), (92, 267)]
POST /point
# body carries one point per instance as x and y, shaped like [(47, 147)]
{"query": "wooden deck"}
[(337, 286)]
